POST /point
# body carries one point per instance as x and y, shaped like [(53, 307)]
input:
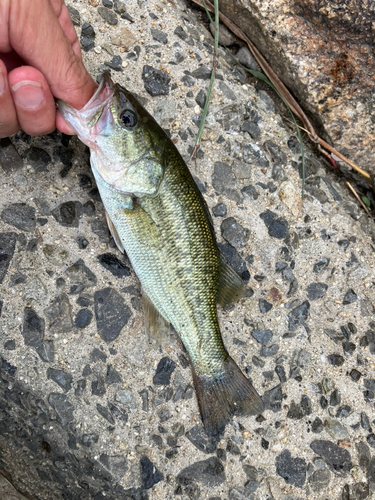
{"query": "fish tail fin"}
[(223, 395)]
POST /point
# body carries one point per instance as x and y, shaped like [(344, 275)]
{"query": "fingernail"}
[(28, 94), (2, 81)]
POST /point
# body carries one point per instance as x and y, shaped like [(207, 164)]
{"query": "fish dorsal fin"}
[(114, 233), (157, 328), (231, 287)]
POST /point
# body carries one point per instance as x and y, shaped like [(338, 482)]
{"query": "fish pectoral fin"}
[(231, 287), (114, 233), (157, 328)]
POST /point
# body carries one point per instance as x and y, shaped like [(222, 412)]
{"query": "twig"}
[(358, 198)]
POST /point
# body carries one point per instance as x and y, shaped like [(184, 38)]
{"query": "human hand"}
[(40, 58)]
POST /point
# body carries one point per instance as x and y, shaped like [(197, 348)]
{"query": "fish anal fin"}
[(223, 395), (114, 233), (157, 328), (231, 287)]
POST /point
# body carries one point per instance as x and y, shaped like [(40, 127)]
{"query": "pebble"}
[(227, 91), (33, 327), (335, 429), (250, 192), (350, 297), (7, 247), (20, 215), (156, 82), (108, 15), (114, 265), (150, 475), (251, 128), (262, 336), (320, 480), (87, 37), (83, 318), (335, 359), (10, 160), (316, 291), (277, 227), (164, 371), (223, 181), (38, 158), (235, 234), (292, 470), (68, 214), (74, 15), (159, 35), (337, 459), (245, 57), (61, 377), (298, 316), (209, 472), (264, 306), (62, 406), (253, 154), (59, 315), (115, 63), (298, 411), (219, 210), (111, 313)]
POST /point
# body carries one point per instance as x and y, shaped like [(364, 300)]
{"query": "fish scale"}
[(159, 217)]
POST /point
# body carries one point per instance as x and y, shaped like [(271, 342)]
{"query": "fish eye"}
[(128, 119)]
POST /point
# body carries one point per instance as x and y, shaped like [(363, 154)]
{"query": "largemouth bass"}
[(158, 216)]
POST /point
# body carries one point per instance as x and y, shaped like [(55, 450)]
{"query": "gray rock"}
[(269, 104), (62, 378), (46, 351), (235, 234), (227, 91), (20, 215), (226, 37), (219, 210), (251, 128), (292, 470), (164, 371), (38, 159), (108, 15), (62, 406), (55, 254), (320, 479), (200, 440), (209, 472), (83, 318), (223, 181), (159, 35), (126, 398), (253, 154), (80, 274), (33, 328), (335, 429), (156, 82), (119, 7), (116, 465), (150, 475), (316, 291), (264, 306), (115, 63), (298, 316), (59, 314), (10, 160), (298, 411), (7, 247), (240, 493), (262, 336), (350, 297), (277, 227), (87, 440), (335, 359), (245, 57), (338, 459), (272, 399), (74, 15), (269, 351), (111, 313)]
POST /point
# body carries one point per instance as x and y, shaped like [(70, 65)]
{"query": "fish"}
[(159, 218)]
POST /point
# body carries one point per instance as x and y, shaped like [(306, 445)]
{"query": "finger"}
[(49, 50), (63, 16), (33, 101), (8, 117)]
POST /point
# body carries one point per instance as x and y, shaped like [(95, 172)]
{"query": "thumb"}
[(35, 33)]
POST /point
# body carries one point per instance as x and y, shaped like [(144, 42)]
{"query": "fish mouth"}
[(93, 110)]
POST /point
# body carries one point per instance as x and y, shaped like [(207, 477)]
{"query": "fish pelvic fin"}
[(231, 287), (223, 395)]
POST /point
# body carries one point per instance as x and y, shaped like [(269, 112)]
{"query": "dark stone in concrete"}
[(33, 327), (210, 472), (235, 234), (337, 458), (164, 371), (114, 265), (316, 291), (108, 15), (200, 440), (10, 160), (59, 314), (62, 378), (62, 406), (156, 82), (292, 470), (262, 336), (277, 227), (38, 159), (149, 473), (7, 247), (298, 316), (68, 214), (350, 297), (83, 318), (111, 313), (20, 215)]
